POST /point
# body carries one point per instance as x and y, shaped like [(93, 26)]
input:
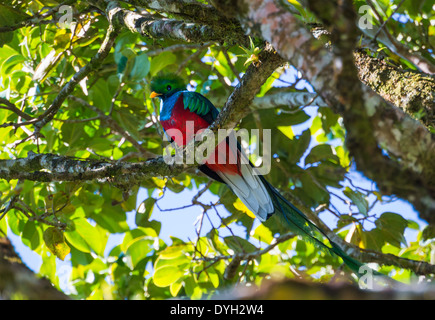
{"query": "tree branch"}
[(11, 107), (284, 99), (148, 25), (413, 92), (16, 280), (190, 10)]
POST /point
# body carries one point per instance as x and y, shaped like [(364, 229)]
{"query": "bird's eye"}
[(169, 88)]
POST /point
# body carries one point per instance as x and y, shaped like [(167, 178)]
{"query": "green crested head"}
[(164, 85)]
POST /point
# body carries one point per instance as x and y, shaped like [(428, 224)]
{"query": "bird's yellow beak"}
[(154, 94)]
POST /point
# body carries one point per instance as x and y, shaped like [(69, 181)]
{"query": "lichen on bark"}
[(412, 91)]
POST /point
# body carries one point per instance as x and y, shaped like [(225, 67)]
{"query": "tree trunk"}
[(19, 282)]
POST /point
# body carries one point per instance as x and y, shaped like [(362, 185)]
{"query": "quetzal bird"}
[(178, 106)]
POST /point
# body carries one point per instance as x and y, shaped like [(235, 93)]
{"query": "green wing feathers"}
[(198, 104)]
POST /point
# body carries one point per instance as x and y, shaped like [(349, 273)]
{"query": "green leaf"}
[(144, 212), (90, 234), (239, 245), (213, 276), (192, 289), (268, 84), (322, 152), (9, 17), (16, 222), (173, 251), (55, 242), (72, 134), (358, 199), (345, 220), (31, 235), (135, 234), (392, 226), (298, 146), (428, 233), (373, 239), (175, 287), (3, 226), (141, 67), (263, 234), (76, 240), (11, 63), (161, 61), (100, 95), (182, 261), (287, 131), (48, 268), (166, 275), (139, 250), (111, 218)]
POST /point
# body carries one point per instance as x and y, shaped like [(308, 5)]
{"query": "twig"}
[(16, 193), (118, 91), (232, 67), (178, 47), (11, 107), (77, 120), (254, 254), (386, 21)]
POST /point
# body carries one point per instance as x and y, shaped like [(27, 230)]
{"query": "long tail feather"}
[(298, 223)]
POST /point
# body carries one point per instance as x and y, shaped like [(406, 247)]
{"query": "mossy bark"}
[(412, 91)]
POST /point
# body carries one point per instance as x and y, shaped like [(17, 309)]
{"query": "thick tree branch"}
[(357, 100), (395, 46), (148, 25), (50, 167), (190, 10), (404, 96), (284, 99), (17, 281), (413, 92)]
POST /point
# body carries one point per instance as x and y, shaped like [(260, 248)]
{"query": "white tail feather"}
[(251, 190)]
